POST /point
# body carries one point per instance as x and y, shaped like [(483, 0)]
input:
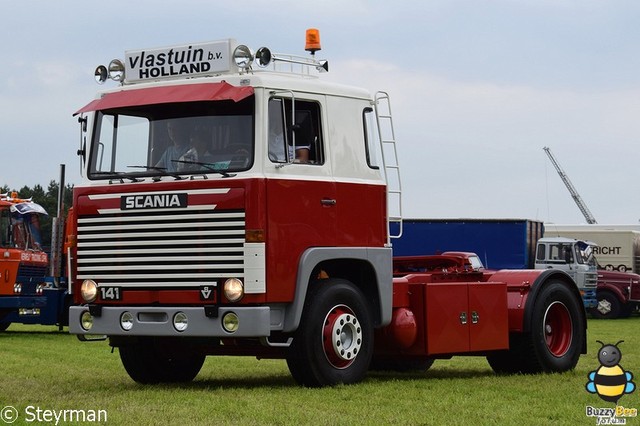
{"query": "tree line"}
[(48, 200)]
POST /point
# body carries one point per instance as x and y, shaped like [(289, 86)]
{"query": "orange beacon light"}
[(312, 40)]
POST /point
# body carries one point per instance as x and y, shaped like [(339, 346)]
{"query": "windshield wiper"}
[(210, 167), (159, 169), (120, 176)]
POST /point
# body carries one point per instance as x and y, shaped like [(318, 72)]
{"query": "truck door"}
[(301, 193)]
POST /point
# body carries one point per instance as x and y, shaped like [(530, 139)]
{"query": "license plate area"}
[(110, 293)]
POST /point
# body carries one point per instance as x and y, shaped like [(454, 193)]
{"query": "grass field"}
[(50, 370)]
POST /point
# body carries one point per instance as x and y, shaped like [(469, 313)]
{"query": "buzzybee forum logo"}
[(610, 382)]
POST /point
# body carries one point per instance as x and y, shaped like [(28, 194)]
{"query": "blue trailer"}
[(500, 243)]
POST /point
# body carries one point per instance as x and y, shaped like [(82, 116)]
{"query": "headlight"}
[(89, 290), (233, 289)]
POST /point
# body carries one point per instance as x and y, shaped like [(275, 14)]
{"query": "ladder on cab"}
[(391, 167)]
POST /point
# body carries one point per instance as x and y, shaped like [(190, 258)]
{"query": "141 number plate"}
[(110, 293)]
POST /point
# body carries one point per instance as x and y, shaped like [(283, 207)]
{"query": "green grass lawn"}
[(41, 367)]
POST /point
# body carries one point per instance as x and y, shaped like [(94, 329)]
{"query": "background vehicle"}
[(253, 250), (33, 289), (618, 247)]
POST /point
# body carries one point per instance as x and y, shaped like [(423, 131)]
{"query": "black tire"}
[(608, 307), (555, 338), (146, 362), (510, 361), (334, 341), (4, 325)]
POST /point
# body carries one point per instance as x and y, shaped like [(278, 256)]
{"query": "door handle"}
[(328, 202)]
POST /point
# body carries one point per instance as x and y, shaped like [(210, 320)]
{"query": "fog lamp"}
[(17, 288), (86, 321), (230, 322), (180, 321), (126, 320), (233, 289), (89, 290)]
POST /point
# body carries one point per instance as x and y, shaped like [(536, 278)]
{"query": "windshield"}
[(585, 253), (173, 139), (20, 231)]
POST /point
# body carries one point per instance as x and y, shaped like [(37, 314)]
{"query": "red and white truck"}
[(237, 204)]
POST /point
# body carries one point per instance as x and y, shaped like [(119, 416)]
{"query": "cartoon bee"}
[(610, 381)]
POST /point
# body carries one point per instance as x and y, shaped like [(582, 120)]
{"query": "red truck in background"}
[(29, 291), (237, 204), (618, 294)]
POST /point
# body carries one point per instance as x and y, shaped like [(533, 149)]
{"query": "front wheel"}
[(608, 307), (148, 362), (334, 342), (4, 325)]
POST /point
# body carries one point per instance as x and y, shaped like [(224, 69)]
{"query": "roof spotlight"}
[(101, 74), (263, 56), (243, 57)]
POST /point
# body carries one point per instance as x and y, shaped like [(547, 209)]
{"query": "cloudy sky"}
[(478, 88)]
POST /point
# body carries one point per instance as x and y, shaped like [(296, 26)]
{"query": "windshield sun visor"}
[(169, 94)]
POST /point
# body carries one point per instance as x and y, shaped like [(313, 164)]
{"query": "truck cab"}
[(574, 257)]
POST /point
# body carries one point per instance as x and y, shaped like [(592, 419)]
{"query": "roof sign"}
[(178, 61)]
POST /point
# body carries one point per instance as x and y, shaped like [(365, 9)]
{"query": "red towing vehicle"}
[(32, 289), (237, 204)]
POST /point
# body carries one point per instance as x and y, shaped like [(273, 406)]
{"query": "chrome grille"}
[(590, 280), (161, 249)]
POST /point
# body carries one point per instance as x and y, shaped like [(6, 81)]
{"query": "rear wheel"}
[(147, 362), (555, 338), (334, 342)]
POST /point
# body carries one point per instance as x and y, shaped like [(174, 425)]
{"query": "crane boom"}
[(572, 190)]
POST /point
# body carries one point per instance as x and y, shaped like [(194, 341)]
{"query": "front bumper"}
[(158, 321)]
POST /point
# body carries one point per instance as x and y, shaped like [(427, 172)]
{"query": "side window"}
[(277, 137), (295, 133), (371, 138), (541, 255), (560, 253)]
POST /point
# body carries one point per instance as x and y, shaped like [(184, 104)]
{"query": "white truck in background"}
[(618, 246)]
